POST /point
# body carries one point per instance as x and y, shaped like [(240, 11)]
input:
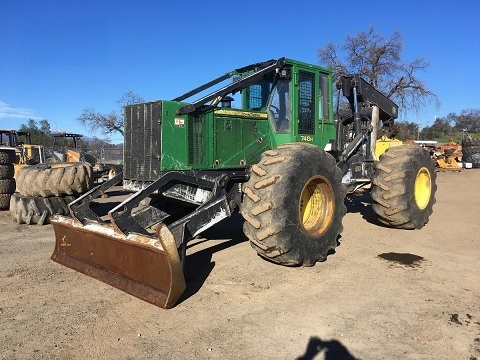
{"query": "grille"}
[(306, 104), (142, 158), (196, 140)]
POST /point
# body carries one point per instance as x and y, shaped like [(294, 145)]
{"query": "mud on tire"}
[(404, 187), (37, 210), (293, 205), (59, 179)]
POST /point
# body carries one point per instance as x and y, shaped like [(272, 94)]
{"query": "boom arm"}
[(357, 90), (259, 70)]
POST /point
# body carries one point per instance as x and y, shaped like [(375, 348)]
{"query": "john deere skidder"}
[(266, 144)]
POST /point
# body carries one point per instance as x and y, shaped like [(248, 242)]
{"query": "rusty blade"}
[(146, 267)]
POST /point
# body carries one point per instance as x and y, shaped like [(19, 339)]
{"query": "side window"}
[(258, 95), (306, 103), (279, 106), (323, 97)]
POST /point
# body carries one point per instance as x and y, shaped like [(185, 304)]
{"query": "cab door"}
[(313, 110), (307, 111)]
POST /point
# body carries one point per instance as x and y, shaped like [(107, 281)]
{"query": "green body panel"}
[(174, 152), (225, 137), (239, 137)]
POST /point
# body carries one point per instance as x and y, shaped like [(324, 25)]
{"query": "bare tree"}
[(469, 120), (111, 122), (378, 60)]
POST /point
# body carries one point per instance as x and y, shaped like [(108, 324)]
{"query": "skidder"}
[(267, 144)]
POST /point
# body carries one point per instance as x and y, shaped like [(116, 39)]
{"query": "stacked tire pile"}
[(46, 190), (7, 182), (471, 152)]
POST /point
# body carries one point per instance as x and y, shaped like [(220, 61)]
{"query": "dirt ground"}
[(384, 294)]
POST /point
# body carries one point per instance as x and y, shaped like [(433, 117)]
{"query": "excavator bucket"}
[(146, 267)]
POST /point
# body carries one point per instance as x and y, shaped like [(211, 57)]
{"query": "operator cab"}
[(298, 102)]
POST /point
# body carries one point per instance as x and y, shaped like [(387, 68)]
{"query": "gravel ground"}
[(384, 294)]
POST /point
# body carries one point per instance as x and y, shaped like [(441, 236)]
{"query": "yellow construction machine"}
[(447, 156), (25, 152), (66, 148)]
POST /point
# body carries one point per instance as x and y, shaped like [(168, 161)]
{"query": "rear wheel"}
[(293, 205), (404, 187)]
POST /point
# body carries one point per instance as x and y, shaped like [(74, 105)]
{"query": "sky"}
[(60, 57)]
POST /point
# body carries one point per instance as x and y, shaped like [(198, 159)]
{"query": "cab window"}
[(279, 106)]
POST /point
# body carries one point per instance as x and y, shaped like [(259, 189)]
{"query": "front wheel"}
[(404, 187), (293, 205)]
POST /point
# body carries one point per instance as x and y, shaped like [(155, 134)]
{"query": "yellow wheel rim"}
[(316, 206), (423, 188)]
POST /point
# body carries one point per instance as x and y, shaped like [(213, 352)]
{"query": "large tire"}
[(466, 143), (293, 205), (58, 179), (404, 187), (7, 156), (7, 186), (474, 159), (5, 201), (37, 210), (7, 171), (471, 152)]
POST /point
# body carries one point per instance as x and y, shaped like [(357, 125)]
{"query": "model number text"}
[(306, 138)]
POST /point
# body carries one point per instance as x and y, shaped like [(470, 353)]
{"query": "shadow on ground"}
[(362, 204), (332, 350), (199, 264)]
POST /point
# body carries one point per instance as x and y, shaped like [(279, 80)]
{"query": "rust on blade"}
[(146, 267)]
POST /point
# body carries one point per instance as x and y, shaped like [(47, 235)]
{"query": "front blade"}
[(145, 267)]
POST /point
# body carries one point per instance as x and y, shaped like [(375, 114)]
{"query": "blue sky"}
[(59, 57)]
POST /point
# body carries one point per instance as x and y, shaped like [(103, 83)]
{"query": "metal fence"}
[(108, 156)]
